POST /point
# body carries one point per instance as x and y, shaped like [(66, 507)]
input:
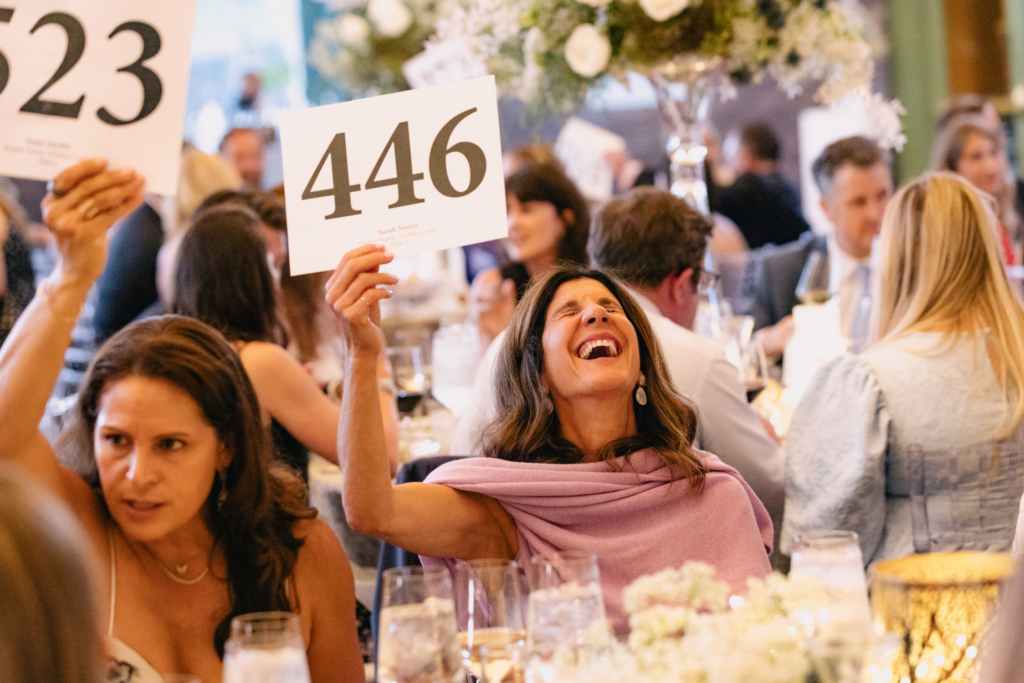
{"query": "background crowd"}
[(604, 421)]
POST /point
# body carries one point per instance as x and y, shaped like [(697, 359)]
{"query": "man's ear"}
[(826, 207), (682, 287), (568, 217)]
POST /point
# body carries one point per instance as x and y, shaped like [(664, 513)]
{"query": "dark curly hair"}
[(255, 523)]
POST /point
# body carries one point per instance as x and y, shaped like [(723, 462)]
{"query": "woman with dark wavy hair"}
[(169, 469), (593, 450)]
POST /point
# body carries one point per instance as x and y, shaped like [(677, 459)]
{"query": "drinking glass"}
[(265, 647), (833, 559), (492, 625), (812, 288), (565, 610), (418, 637), (411, 374), (456, 354)]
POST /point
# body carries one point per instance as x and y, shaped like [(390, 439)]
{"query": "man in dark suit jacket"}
[(762, 203), (778, 273), (853, 177)]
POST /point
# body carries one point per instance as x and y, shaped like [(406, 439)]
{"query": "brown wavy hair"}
[(527, 428), (254, 525)]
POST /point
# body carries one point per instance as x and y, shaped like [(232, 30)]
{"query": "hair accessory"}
[(223, 495), (641, 395), (179, 571)]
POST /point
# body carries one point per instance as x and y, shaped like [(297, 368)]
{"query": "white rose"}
[(353, 30), (587, 51), (660, 10), (391, 17)]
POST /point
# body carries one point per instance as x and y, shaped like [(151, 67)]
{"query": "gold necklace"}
[(180, 569)]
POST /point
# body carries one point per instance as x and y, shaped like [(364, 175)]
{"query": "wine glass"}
[(833, 559), (492, 625), (813, 286), (411, 374), (456, 354), (265, 647), (565, 610), (418, 637)]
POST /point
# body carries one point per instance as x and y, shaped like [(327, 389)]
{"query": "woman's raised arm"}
[(87, 199), (424, 518)]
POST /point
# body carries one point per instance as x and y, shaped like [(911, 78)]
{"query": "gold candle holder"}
[(940, 605)]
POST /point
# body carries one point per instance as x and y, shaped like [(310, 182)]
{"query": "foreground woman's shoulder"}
[(319, 543)]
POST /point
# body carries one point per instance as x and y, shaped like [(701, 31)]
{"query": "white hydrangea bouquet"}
[(552, 52), (685, 628), (363, 47)]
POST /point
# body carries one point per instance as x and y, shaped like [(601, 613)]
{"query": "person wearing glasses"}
[(655, 242)]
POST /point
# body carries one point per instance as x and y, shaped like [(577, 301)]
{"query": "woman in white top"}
[(168, 470), (916, 443)]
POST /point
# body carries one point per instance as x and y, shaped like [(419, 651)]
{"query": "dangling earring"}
[(546, 406), (641, 395), (223, 495)]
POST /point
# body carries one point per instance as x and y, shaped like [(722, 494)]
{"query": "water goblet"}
[(418, 637), (492, 625), (833, 559), (265, 647), (565, 611)]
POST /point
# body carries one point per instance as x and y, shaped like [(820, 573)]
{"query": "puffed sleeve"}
[(835, 456)]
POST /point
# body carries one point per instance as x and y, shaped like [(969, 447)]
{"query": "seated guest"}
[(243, 149), (592, 449), (891, 444), (970, 146), (50, 626), (128, 286), (17, 279), (223, 279), (189, 520), (548, 221), (853, 177), (656, 242), (761, 202)]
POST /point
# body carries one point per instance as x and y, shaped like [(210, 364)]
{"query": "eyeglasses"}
[(708, 280)]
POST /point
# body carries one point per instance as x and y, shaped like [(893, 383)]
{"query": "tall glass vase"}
[(683, 89)]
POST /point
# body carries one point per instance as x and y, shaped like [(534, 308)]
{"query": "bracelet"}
[(44, 294)]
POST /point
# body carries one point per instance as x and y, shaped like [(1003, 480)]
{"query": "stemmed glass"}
[(417, 637), (566, 609), (265, 647), (491, 616), (412, 375), (812, 288)]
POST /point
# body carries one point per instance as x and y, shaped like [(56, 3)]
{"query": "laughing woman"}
[(592, 450), (173, 482)]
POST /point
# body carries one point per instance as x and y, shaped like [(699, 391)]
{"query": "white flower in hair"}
[(660, 10), (353, 30), (587, 50), (391, 17)]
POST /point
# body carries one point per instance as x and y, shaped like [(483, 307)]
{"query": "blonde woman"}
[(971, 146), (915, 444)]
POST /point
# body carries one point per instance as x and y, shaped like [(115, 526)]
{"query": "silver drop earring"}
[(223, 495), (641, 395)]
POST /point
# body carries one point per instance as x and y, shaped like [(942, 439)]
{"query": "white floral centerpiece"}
[(685, 628), (552, 52), (363, 47)]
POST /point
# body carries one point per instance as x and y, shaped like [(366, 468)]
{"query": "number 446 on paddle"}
[(415, 171)]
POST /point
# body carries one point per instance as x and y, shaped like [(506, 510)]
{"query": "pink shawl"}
[(635, 519)]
